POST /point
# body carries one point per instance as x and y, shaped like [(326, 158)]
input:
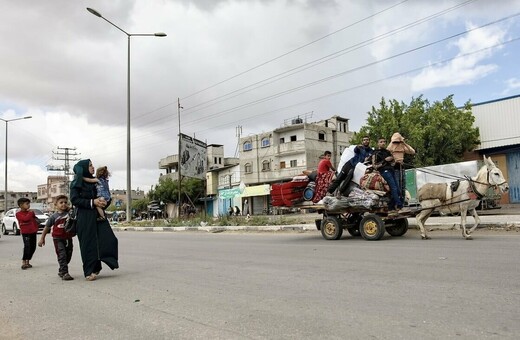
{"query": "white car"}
[(10, 223)]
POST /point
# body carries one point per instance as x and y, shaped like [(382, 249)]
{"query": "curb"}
[(304, 227)]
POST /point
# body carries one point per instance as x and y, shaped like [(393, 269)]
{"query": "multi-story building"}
[(222, 173), (265, 158), (55, 186), (12, 198), (283, 153)]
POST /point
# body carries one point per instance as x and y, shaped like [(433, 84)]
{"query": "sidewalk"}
[(443, 222)]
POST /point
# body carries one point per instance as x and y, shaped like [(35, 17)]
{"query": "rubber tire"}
[(331, 228), (16, 231), (399, 229), (372, 227), (4, 230), (354, 232)]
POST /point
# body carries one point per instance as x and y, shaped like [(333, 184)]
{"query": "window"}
[(248, 168), (321, 135), (265, 142), (294, 163), (248, 146), (282, 165), (266, 166), (293, 138), (282, 140)]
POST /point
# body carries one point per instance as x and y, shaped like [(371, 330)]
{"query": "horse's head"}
[(495, 177)]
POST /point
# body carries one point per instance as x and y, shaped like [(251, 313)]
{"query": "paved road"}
[(197, 285)]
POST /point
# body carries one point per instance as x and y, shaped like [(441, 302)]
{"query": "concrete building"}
[(265, 158), (56, 185), (12, 199), (283, 153), (222, 173)]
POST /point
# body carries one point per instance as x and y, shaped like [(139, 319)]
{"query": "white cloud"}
[(512, 85), (67, 68), (467, 67)]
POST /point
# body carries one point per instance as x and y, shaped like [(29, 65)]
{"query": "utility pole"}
[(238, 135), (179, 107), (66, 155)]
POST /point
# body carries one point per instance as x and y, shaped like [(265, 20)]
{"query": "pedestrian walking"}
[(62, 240)]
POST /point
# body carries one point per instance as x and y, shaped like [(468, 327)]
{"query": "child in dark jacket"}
[(62, 240)]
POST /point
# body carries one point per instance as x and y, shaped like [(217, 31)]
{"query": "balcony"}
[(290, 148)]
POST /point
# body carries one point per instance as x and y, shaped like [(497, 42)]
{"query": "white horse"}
[(465, 198)]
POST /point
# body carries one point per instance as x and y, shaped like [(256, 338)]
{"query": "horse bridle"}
[(488, 184)]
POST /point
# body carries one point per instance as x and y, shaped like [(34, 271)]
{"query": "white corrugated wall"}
[(498, 122)]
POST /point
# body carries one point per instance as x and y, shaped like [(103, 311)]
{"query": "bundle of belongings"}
[(289, 193), (363, 188), (357, 198)]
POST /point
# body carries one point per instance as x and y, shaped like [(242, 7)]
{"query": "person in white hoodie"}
[(398, 147)]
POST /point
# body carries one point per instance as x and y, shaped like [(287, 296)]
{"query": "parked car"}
[(10, 223)]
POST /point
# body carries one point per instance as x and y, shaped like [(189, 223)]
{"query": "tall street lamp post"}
[(6, 129), (128, 163)]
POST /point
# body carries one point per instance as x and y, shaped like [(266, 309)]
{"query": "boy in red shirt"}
[(62, 240), (325, 175), (28, 223)]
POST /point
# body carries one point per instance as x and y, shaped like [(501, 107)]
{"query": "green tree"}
[(439, 133), (168, 190)]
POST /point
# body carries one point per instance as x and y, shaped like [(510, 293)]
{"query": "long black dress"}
[(96, 239)]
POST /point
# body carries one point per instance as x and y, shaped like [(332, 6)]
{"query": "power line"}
[(326, 58), (294, 50), (316, 61), (316, 82)]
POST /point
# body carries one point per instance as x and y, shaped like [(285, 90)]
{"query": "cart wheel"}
[(372, 227), (331, 228), (354, 232), (399, 227)]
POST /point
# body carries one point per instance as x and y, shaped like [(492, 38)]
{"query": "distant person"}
[(28, 223), (383, 162), (62, 240), (237, 211), (362, 154), (230, 211), (399, 148), (102, 188), (245, 209), (96, 239), (325, 175)]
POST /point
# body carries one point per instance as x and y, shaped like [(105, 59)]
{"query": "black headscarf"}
[(80, 171)]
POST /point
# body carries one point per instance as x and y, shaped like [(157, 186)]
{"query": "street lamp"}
[(128, 163), (5, 183)]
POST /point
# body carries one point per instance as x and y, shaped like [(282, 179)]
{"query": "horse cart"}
[(370, 224), (366, 215)]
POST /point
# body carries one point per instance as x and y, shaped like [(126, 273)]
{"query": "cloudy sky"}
[(249, 63)]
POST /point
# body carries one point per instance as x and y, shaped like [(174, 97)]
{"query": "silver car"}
[(10, 223)]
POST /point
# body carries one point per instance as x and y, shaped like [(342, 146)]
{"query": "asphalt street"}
[(254, 285)]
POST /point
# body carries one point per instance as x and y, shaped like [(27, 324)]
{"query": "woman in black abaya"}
[(96, 239)]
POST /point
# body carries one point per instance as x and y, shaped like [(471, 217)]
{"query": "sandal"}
[(24, 266), (29, 265), (91, 277)]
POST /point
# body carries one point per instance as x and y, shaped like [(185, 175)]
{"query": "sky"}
[(238, 67)]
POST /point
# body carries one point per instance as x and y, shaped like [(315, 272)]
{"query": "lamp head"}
[(93, 11), (160, 34)]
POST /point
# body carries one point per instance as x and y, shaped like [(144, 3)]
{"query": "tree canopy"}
[(440, 132), (168, 190)]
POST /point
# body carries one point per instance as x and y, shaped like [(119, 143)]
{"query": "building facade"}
[(265, 158), (499, 128)]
